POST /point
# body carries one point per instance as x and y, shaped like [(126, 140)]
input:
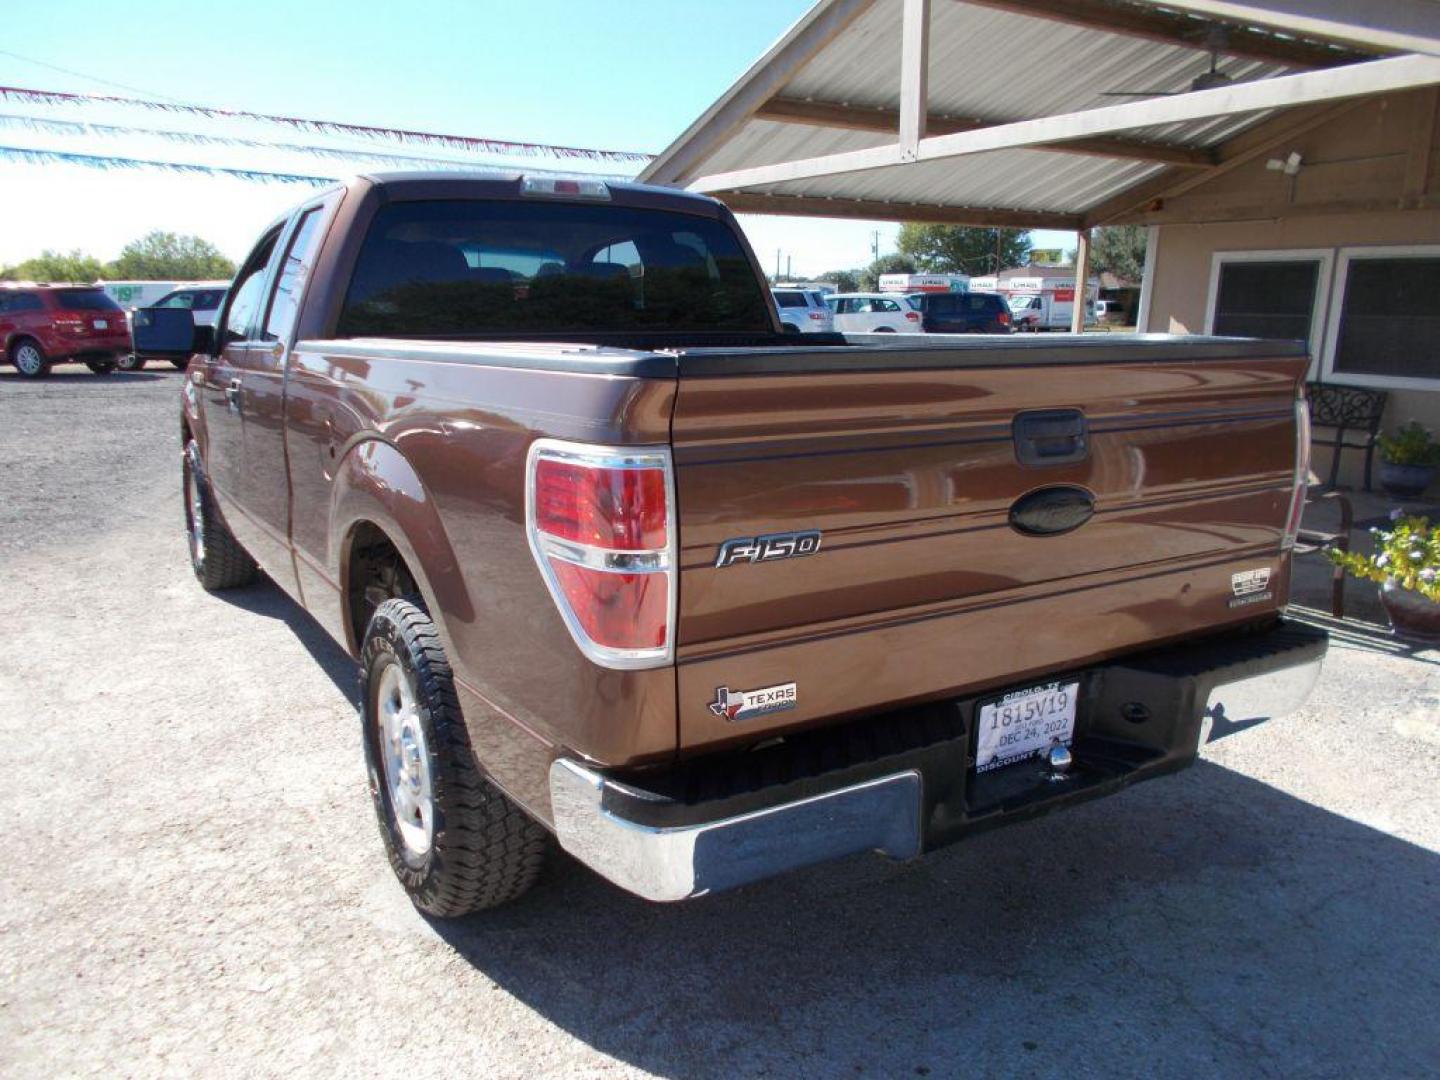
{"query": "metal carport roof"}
[(999, 112)]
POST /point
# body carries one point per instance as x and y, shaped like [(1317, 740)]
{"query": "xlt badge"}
[(736, 705), (753, 549)]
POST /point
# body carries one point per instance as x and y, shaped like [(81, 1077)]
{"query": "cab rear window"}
[(486, 268), (85, 300)]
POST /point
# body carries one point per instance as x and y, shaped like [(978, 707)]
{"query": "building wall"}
[(1369, 177)]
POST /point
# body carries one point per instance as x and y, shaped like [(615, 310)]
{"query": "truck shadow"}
[(1207, 923), (266, 598)]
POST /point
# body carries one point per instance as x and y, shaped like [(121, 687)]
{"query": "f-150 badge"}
[(753, 549), (737, 705)]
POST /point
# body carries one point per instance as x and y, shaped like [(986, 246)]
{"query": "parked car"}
[(963, 313), (41, 325), (203, 300), (874, 313), (803, 311), (621, 561)]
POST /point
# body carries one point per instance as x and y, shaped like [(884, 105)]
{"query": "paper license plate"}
[(101, 324), (1024, 723)]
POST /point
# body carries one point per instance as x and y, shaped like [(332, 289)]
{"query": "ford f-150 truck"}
[(622, 563)]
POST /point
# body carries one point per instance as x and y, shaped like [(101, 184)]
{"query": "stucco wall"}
[(1366, 160)]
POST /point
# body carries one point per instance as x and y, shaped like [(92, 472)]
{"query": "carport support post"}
[(1082, 277)]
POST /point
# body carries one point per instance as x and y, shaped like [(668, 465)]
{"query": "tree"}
[(56, 266), (160, 256), (960, 249), (1120, 249), (843, 280), (886, 264)]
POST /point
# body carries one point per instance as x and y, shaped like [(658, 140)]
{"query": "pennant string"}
[(99, 161), (327, 127), (69, 127)]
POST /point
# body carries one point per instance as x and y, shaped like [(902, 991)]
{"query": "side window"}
[(285, 304), (886, 305), (622, 254), (179, 300), (246, 297)]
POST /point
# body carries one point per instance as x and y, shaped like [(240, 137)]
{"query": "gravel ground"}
[(197, 886)]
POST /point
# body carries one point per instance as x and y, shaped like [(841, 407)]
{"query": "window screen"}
[(1267, 299), (1390, 318)]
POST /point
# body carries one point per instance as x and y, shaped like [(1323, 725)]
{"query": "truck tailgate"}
[(939, 570)]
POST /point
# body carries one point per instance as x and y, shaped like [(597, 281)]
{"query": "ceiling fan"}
[(1215, 40)]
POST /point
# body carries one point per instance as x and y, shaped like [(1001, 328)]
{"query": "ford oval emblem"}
[(1049, 511)]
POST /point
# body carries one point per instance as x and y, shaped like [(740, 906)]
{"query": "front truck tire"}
[(455, 841), (216, 556)]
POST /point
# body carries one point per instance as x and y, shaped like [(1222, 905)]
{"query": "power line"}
[(87, 78)]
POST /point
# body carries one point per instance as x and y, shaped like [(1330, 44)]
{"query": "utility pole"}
[(875, 246), (788, 275), (777, 266)]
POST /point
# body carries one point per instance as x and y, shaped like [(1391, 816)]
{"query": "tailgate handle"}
[(1051, 437)]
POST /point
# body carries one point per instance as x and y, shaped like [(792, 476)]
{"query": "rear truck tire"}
[(29, 359), (455, 840), (216, 556), (131, 362), (180, 365), (101, 367)]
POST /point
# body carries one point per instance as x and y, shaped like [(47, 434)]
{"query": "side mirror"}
[(169, 333)]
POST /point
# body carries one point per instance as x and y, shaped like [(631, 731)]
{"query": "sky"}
[(619, 74)]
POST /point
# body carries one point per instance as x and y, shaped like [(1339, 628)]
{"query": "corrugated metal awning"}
[(833, 86)]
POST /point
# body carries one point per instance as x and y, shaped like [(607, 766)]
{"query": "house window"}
[(1385, 326), (1269, 294)]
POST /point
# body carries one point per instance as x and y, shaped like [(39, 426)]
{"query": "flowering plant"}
[(1407, 554), (1410, 445)]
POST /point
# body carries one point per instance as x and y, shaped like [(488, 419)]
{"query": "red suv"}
[(42, 325)]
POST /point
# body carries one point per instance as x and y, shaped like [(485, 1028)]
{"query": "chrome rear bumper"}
[(680, 862), (1264, 696), (1144, 719)]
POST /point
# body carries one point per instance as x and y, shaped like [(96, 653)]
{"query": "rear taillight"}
[(601, 522), (913, 316), (1300, 481), (1004, 318), (817, 316)]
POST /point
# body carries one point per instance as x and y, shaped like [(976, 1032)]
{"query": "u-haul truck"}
[(916, 283), (1041, 302)]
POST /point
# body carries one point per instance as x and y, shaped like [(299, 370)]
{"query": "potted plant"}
[(1407, 461), (1406, 563)]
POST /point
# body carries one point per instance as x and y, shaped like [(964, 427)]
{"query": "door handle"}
[(1051, 437), (232, 395)]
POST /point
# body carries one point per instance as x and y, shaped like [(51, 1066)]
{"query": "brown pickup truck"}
[(623, 563)]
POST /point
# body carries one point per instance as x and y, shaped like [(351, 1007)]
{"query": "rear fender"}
[(376, 484)]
